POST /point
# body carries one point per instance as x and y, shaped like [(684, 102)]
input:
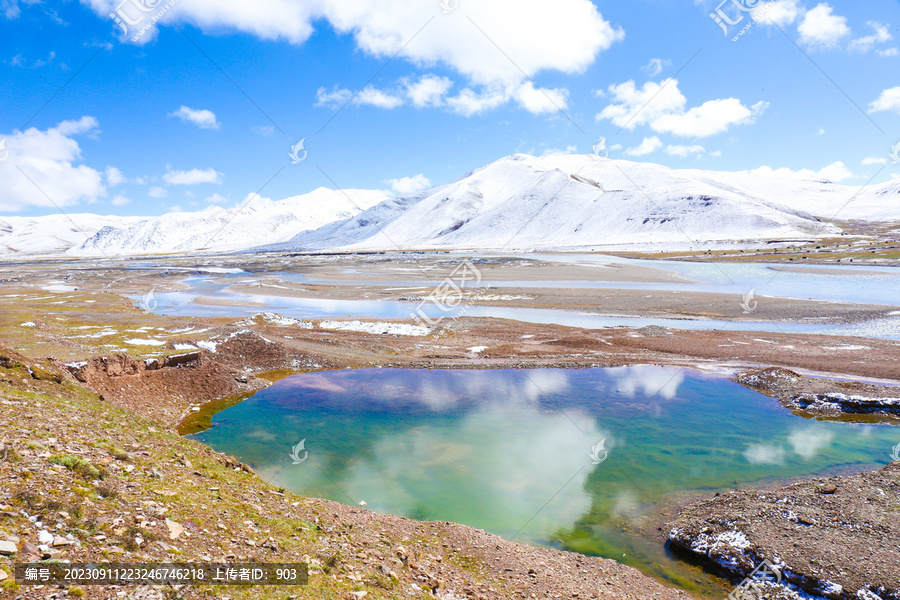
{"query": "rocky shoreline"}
[(834, 538)]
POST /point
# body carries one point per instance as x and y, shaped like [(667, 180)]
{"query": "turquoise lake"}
[(512, 451)]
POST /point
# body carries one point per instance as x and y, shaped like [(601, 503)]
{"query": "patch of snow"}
[(185, 347), (477, 349), (59, 288), (144, 342), (211, 346), (380, 327), (28, 324)]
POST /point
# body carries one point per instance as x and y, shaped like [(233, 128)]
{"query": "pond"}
[(515, 452)]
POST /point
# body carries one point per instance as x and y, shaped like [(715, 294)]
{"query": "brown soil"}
[(842, 530)]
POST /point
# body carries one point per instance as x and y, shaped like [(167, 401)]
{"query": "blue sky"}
[(203, 107)]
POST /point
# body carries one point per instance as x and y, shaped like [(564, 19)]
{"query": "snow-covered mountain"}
[(520, 201), (577, 201), (52, 234), (219, 229)]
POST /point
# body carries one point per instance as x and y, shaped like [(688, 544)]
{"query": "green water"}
[(509, 451)]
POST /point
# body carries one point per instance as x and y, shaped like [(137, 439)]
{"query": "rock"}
[(826, 488), (359, 594), (3, 575), (61, 541), (8, 548), (363, 503), (44, 536), (175, 529), (29, 548)]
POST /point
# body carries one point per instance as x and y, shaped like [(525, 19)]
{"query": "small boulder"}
[(8, 548)]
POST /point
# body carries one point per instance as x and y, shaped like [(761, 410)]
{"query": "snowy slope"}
[(571, 201), (52, 234), (220, 229)]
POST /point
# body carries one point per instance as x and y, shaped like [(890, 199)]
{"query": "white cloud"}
[(409, 185), (888, 100), (266, 131), (50, 178), (685, 151), (881, 35), (780, 12), (216, 199), (888, 52), (369, 95), (820, 27), (114, 177), (429, 90), (874, 160), (566, 35), (375, 97), (192, 177), (648, 146), (120, 200), (655, 66), (540, 100), (835, 172), (158, 192), (764, 454), (807, 442), (468, 102), (204, 119), (664, 108)]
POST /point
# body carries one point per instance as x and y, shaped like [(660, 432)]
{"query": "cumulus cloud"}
[(120, 200), (429, 90), (409, 185), (566, 35), (204, 119), (780, 12), (192, 177), (874, 160), (821, 27), (888, 100), (114, 177), (663, 108), (835, 172), (158, 192), (50, 178), (648, 146)]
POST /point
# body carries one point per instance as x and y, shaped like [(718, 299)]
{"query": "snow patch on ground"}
[(380, 327), (28, 324), (144, 342), (211, 346)]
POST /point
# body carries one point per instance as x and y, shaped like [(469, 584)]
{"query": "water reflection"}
[(508, 451)]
